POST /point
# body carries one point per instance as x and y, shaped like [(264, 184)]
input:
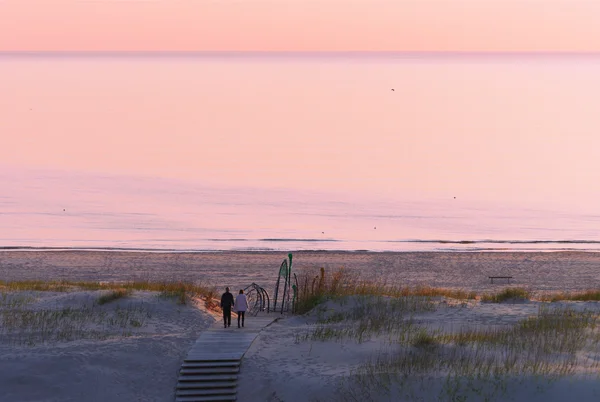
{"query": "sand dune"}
[(282, 366), (94, 359), (131, 349)]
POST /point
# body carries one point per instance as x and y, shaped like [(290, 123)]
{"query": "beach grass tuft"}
[(114, 295), (508, 294), (588, 295)]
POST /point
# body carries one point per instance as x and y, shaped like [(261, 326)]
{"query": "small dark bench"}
[(508, 278)]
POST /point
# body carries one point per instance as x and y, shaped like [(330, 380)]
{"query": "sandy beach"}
[(543, 271), (95, 355)]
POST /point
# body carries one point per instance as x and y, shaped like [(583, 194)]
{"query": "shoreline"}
[(273, 251)]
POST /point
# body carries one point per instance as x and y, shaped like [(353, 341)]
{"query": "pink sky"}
[(300, 25)]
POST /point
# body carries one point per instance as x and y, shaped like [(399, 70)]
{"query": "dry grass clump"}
[(588, 295), (179, 290), (433, 292), (114, 295), (36, 285), (514, 294), (314, 288)]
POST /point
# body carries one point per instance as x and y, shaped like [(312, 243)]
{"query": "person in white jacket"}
[(241, 305)]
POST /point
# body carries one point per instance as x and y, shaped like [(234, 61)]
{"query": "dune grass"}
[(178, 290), (21, 326), (478, 363), (588, 295), (314, 288), (508, 294), (114, 295), (369, 316), (434, 292), (559, 330), (474, 363), (8, 300)]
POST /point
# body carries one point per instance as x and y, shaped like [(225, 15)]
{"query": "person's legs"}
[(239, 313), (243, 313), (227, 316)]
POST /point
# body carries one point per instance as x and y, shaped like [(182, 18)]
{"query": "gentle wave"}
[(317, 245), (498, 241), (274, 240)]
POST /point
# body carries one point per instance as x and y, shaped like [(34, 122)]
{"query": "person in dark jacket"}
[(226, 305)]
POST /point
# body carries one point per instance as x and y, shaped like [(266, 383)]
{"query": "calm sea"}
[(300, 152)]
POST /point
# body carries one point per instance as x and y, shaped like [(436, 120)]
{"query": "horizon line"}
[(293, 52)]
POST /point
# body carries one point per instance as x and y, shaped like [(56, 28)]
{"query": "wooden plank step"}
[(214, 398), (208, 377), (204, 392), (215, 363), (210, 370), (213, 358), (206, 385)]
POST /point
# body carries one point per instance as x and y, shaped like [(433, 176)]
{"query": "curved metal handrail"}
[(258, 299)]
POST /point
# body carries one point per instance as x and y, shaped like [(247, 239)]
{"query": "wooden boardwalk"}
[(209, 372)]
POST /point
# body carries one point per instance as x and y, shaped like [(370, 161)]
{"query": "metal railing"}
[(258, 299)]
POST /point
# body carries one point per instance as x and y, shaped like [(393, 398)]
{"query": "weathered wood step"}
[(205, 392), (209, 370), (206, 385), (208, 377), (211, 358), (214, 398), (211, 364)]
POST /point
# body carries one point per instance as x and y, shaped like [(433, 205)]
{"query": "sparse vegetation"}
[(589, 295), (315, 288), (8, 300), (508, 294), (424, 339), (480, 363), (113, 295), (370, 316), (179, 290), (21, 324), (31, 327), (433, 292), (474, 362)]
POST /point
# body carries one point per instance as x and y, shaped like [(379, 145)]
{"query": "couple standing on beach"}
[(240, 304)]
